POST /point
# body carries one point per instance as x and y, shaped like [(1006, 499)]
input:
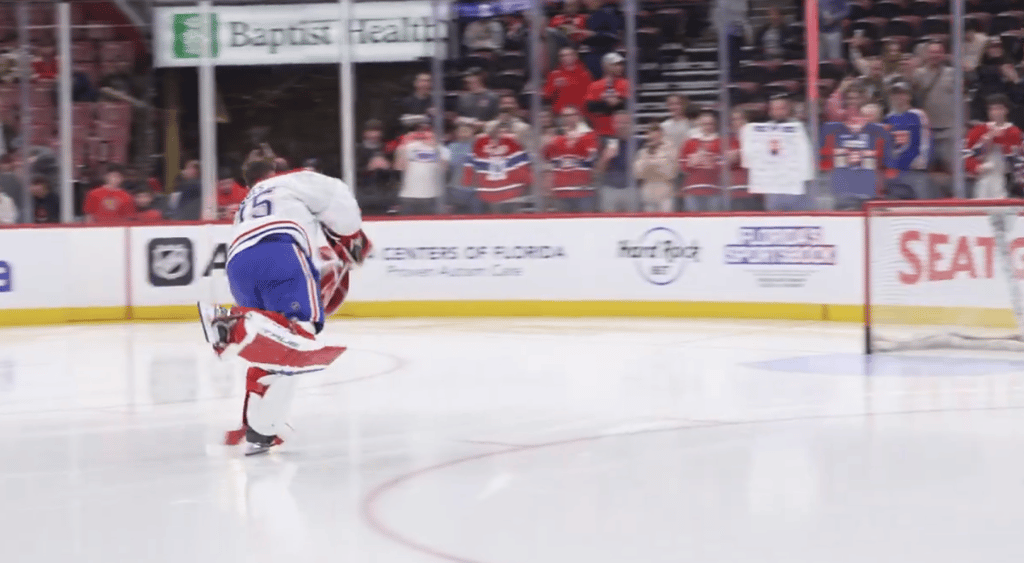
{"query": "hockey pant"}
[(278, 349)]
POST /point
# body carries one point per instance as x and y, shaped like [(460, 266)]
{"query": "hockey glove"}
[(352, 249)]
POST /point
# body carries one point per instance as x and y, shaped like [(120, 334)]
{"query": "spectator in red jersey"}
[(571, 155), (990, 146), (700, 160), (229, 196), (146, 209), (44, 67), (608, 95), (571, 22), (567, 84), (109, 203)]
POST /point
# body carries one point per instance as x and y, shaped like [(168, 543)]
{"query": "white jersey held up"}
[(778, 157), (296, 204)]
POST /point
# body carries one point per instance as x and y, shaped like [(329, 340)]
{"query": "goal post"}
[(944, 274)]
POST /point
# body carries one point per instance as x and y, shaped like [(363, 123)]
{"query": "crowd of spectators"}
[(883, 62), (885, 67)]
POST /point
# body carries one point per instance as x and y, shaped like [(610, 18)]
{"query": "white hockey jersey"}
[(778, 156), (297, 204)]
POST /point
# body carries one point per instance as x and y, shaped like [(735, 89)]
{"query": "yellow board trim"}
[(393, 309)]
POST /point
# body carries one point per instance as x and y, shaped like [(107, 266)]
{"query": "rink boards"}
[(793, 267)]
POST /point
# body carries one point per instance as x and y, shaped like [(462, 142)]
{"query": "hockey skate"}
[(256, 443)]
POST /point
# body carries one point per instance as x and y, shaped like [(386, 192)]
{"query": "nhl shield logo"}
[(170, 262)]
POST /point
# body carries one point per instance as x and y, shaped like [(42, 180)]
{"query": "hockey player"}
[(282, 297), (990, 148)]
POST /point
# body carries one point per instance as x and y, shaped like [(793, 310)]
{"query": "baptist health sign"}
[(297, 33)]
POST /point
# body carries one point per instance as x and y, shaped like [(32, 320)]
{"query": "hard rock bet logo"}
[(660, 255), (171, 262)]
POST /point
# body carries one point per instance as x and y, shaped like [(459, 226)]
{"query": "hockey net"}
[(944, 275)]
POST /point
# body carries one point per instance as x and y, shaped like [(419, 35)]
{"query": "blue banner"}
[(491, 9)]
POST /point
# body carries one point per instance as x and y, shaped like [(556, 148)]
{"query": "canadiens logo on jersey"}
[(572, 159), (499, 168)]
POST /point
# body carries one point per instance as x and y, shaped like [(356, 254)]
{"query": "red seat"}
[(41, 134), (41, 94), (83, 114), (44, 115)]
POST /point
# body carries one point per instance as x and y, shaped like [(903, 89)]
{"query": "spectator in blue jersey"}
[(831, 14), (911, 146)]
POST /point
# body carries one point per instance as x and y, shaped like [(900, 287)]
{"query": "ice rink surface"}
[(515, 441)]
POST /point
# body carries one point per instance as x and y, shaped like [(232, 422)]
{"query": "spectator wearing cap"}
[(477, 104), (567, 84), (608, 95), (911, 144), (110, 203)]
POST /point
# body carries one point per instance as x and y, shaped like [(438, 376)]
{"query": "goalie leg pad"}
[(273, 343), (267, 412)]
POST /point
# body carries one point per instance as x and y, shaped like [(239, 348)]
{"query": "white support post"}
[(207, 115), (25, 212), (959, 187), (347, 100), (64, 86)]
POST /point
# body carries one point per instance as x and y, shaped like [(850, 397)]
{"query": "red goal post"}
[(943, 274)]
